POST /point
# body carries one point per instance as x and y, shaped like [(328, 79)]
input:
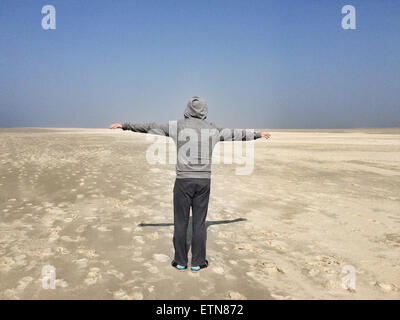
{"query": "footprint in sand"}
[(139, 239), (262, 273), (116, 273), (326, 261), (209, 290), (387, 287), (61, 283), (280, 245), (270, 267), (70, 219), (218, 270), (150, 268), (313, 272), (81, 263), (89, 253), (121, 295), (103, 229), (62, 250), (280, 297), (234, 295), (53, 236), (80, 229), (227, 235), (70, 239), (137, 295), (93, 276), (160, 257), (23, 283), (334, 284), (138, 259)]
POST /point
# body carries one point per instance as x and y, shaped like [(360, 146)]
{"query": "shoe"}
[(178, 266), (201, 267)]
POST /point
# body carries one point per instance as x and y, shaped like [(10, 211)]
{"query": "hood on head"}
[(196, 108)]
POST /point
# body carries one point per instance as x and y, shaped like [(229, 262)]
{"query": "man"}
[(195, 139)]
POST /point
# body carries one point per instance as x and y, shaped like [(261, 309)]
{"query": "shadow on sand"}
[(190, 229)]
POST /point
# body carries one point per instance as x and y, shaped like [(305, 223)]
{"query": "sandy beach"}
[(87, 202)]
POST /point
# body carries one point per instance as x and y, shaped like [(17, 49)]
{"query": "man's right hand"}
[(116, 126), (265, 135)]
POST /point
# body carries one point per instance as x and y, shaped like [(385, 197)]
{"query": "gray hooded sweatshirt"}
[(194, 137)]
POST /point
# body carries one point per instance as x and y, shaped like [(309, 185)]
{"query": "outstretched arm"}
[(151, 127), (241, 134)]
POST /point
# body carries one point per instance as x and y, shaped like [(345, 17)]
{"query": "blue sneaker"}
[(201, 267), (178, 266)]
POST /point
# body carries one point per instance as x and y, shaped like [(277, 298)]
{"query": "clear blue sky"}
[(258, 64)]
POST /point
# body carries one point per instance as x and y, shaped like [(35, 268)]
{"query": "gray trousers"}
[(190, 193)]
